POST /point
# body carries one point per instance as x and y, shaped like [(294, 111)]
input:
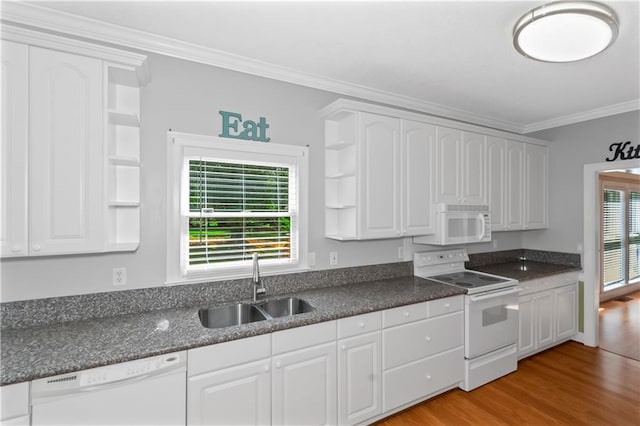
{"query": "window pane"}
[(214, 240), (234, 187), (634, 235), (613, 222)]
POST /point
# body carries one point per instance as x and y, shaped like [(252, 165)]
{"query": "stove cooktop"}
[(473, 282)]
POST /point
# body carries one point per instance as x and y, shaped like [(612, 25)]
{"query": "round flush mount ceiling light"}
[(565, 31)]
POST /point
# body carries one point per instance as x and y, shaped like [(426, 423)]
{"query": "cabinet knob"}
[(36, 247), (15, 249), (447, 305), (278, 365), (361, 324), (343, 347), (428, 376), (427, 338), (266, 368), (406, 314)]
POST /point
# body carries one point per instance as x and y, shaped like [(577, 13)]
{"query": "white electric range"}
[(491, 322)]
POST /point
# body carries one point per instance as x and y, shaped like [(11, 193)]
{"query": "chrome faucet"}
[(258, 286)]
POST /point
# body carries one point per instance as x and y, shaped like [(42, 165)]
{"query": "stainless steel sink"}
[(226, 316), (285, 307)]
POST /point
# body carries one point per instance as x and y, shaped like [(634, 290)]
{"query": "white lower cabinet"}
[(15, 404), (230, 383), (359, 368), (422, 357), (548, 313)]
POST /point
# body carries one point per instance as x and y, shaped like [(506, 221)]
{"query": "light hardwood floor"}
[(571, 384), (620, 326)]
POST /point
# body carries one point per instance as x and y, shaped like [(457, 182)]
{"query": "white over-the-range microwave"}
[(459, 224)]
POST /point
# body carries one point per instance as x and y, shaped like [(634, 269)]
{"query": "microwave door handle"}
[(482, 225)]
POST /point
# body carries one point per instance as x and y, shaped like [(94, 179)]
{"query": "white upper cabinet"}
[(460, 167), (65, 124), (536, 186), (418, 154), (514, 185), (13, 154), (496, 181), (70, 146), (379, 176), (386, 169)]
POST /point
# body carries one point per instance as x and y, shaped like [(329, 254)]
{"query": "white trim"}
[(607, 111), (80, 26), (591, 258), (181, 145), (341, 105)]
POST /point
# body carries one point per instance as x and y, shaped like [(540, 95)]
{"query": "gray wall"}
[(186, 97), (572, 147)]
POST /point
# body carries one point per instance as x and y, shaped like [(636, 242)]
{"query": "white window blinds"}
[(236, 209), (613, 237)]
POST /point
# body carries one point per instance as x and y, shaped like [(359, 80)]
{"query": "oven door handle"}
[(495, 294)]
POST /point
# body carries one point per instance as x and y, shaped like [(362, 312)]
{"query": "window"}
[(620, 233), (230, 199)]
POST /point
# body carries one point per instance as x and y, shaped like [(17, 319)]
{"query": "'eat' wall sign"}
[(250, 130)]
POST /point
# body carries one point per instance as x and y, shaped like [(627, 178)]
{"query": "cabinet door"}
[(359, 379), (566, 312), (234, 396), (536, 184), (448, 165), (380, 176), (304, 387), (496, 181), (473, 168), (66, 152), (13, 154), (545, 318), (526, 336), (418, 152), (515, 187)]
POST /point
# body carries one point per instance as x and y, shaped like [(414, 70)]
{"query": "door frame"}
[(591, 241)]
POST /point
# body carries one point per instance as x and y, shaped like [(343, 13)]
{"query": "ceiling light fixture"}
[(565, 31)]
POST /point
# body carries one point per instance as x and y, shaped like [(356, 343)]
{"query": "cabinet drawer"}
[(303, 337), (359, 324), (15, 401), (444, 306), (422, 378), (410, 342), (404, 314), (223, 355)]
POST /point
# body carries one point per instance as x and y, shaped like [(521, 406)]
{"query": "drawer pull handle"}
[(406, 314), (427, 338), (447, 305), (361, 324), (428, 377)]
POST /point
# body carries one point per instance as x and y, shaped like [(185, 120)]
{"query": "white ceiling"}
[(450, 58)]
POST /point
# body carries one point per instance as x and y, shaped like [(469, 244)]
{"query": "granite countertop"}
[(39, 351), (525, 270)]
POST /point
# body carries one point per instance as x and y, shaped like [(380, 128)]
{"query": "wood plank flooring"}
[(620, 326), (571, 384)]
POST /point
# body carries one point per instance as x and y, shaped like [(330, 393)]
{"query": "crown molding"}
[(78, 26), (607, 111)]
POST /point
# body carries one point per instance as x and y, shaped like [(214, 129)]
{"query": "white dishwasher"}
[(149, 391)]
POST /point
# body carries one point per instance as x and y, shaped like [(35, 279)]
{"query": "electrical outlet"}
[(119, 276), (333, 258)]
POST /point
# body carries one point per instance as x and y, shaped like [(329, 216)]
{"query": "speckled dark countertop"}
[(524, 271), (524, 264), (44, 350)]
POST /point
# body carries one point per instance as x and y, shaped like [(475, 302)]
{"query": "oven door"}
[(491, 321)]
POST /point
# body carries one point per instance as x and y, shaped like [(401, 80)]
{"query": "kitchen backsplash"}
[(36, 312)]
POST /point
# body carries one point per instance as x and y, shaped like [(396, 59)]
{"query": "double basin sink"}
[(245, 313)]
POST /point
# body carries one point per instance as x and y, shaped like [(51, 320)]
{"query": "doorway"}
[(592, 246)]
